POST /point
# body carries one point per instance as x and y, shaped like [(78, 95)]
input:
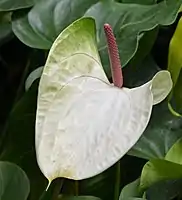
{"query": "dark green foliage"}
[(143, 30)]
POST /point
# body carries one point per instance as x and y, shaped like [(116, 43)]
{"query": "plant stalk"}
[(117, 182), (76, 188), (57, 188)]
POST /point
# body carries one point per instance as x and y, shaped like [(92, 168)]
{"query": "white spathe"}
[(84, 124)]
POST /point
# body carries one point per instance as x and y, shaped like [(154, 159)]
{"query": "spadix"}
[(84, 124)]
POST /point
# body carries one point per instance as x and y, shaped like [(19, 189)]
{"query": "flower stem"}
[(113, 56), (76, 188), (57, 188), (117, 181)]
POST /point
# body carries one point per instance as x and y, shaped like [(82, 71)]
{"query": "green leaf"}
[(64, 197), (5, 30), (73, 77), (145, 41), (143, 2), (129, 30), (18, 146), (175, 55), (162, 132), (175, 64), (175, 152), (131, 191), (101, 185), (157, 170), (177, 96), (165, 190), (139, 74), (164, 129), (32, 77), (162, 190), (133, 198), (145, 45), (8, 5), (39, 31), (14, 183), (23, 30), (5, 27)]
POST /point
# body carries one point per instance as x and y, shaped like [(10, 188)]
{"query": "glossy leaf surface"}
[(14, 183), (129, 21)]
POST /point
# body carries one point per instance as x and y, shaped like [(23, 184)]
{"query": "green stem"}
[(117, 182), (43, 195), (57, 188), (76, 188)]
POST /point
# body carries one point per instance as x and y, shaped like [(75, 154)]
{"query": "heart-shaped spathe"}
[(84, 124)]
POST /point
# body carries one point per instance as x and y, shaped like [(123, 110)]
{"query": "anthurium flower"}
[(84, 124)]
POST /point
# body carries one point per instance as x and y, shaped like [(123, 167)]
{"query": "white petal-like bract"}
[(84, 124)]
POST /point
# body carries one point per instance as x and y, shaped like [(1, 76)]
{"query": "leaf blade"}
[(14, 182), (9, 5), (158, 170)]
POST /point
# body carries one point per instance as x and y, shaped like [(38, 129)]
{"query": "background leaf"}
[(177, 96), (175, 65), (175, 152), (101, 185), (165, 190), (57, 16), (14, 183), (23, 30), (163, 131), (77, 198), (5, 27), (7, 5), (129, 21), (18, 145), (175, 55), (131, 191), (143, 2), (157, 170), (32, 77)]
